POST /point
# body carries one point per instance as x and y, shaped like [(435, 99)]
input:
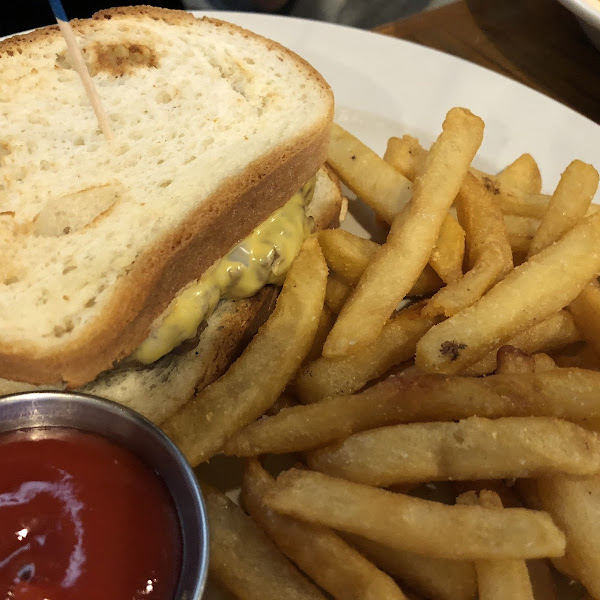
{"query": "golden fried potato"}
[(420, 526)]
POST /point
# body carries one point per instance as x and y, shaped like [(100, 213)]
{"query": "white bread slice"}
[(159, 391), (215, 128)]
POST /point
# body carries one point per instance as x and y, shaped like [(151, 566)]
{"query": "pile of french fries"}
[(440, 393)]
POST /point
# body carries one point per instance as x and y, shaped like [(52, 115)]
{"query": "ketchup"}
[(81, 518)]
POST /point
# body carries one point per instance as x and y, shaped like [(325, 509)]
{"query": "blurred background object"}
[(358, 13), (22, 15), (27, 14)]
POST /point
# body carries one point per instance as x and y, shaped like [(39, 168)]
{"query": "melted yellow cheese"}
[(264, 257)]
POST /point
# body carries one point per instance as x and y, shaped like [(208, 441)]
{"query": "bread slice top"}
[(215, 128), (159, 390)]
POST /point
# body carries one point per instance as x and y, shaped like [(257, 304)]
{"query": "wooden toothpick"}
[(79, 63)]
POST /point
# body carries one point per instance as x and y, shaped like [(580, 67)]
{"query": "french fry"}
[(482, 221), (542, 362), (435, 578), (427, 283), (519, 232), (512, 201), (516, 189), (511, 361), (406, 155), (399, 262), (498, 486), (245, 560), (586, 313), (420, 526), (540, 571), (529, 492), (474, 448), (447, 256), (326, 321), (345, 375), (574, 503), (348, 256), (498, 579), (336, 293), (489, 252), (568, 204), (432, 427), (319, 552), (554, 333), (373, 180), (378, 184), (524, 227), (523, 174), (561, 393), (533, 291), (251, 385)]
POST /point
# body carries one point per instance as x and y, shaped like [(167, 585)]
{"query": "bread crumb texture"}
[(76, 212)]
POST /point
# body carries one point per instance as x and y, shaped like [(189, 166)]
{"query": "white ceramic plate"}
[(384, 86), (588, 13)]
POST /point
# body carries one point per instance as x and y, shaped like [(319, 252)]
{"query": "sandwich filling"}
[(262, 258)]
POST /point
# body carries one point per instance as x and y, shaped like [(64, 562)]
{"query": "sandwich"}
[(137, 269)]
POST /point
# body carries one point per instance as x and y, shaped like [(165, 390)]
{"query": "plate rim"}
[(584, 10)]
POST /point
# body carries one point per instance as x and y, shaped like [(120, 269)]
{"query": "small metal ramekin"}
[(136, 433)]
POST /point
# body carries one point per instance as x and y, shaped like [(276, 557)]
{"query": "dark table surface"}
[(536, 42)]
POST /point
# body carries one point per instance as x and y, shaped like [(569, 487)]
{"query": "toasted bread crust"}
[(182, 256)]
